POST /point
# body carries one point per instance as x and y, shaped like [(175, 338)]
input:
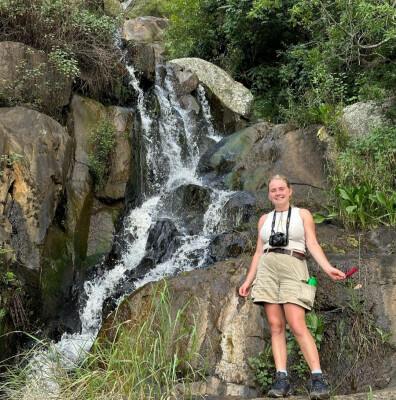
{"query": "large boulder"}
[(38, 152), (231, 328), (146, 30), (27, 76), (357, 119), (246, 160), (229, 99), (232, 94)]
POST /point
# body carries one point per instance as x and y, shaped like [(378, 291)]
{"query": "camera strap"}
[(287, 223)]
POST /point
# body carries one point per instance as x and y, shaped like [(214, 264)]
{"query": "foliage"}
[(364, 192), (10, 293), (76, 34), (384, 336), (315, 326), (155, 8), (9, 160), (240, 39), (297, 56), (263, 368), (102, 140), (146, 361)]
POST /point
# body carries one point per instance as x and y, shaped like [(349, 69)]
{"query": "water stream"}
[(170, 140)]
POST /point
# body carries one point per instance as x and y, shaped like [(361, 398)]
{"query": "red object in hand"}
[(351, 272)]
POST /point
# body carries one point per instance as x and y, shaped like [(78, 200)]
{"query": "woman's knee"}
[(277, 326), (298, 328)]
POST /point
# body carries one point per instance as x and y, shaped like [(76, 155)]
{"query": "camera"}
[(278, 239)]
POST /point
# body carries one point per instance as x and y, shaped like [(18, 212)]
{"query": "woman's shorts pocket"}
[(307, 294)]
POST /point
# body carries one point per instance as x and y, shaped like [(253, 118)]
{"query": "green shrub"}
[(364, 193), (103, 141), (76, 34), (263, 368)]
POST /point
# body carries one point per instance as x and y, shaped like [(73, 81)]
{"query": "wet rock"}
[(163, 240), (228, 245), (238, 211), (186, 81), (142, 56), (187, 203)]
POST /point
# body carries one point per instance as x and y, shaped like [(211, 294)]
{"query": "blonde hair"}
[(281, 177)]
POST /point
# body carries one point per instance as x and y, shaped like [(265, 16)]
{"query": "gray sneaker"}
[(281, 387), (320, 387)]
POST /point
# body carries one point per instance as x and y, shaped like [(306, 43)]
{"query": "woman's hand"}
[(335, 274), (244, 290)]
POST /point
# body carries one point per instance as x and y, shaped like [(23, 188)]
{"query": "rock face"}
[(357, 119), (146, 30), (38, 151), (232, 94), (28, 76), (231, 328), (86, 115), (246, 160)]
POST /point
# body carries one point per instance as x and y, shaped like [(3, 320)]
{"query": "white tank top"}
[(296, 229)]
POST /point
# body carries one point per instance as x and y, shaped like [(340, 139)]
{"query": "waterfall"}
[(171, 165)]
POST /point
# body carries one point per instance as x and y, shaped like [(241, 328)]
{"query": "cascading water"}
[(171, 166)]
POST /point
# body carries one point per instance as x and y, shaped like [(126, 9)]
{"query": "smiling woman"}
[(278, 277)]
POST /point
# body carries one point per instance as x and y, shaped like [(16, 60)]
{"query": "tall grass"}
[(156, 359)]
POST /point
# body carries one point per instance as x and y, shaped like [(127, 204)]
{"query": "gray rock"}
[(186, 205), (247, 159), (35, 180), (27, 76), (148, 30), (357, 119), (232, 94), (142, 56), (120, 161), (101, 231)]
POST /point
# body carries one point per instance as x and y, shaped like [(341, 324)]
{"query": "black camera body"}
[(278, 239)]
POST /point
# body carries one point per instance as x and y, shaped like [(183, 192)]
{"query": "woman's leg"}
[(295, 316), (277, 322)]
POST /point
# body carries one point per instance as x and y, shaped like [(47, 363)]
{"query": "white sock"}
[(317, 371), (282, 370)]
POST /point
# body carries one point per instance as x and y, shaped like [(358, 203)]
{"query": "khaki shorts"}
[(282, 279)]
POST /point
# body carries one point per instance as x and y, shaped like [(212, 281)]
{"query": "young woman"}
[(278, 276)]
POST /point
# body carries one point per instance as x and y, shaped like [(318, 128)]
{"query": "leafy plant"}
[(384, 336), (103, 142), (264, 368)]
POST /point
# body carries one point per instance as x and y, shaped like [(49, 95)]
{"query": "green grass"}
[(149, 360)]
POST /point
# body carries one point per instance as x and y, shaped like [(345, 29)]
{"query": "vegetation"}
[(103, 141), (150, 360), (77, 36)]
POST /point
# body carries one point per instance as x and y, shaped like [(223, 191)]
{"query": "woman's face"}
[(279, 193)]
